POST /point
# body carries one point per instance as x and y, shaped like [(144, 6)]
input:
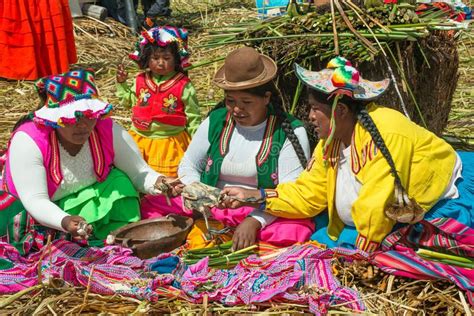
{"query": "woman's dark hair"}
[(280, 114), (358, 107), (29, 116), (150, 48)]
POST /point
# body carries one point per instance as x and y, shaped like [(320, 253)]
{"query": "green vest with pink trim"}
[(100, 143), (221, 127)]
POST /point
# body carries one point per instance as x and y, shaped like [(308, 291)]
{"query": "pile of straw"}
[(423, 60), (461, 117)]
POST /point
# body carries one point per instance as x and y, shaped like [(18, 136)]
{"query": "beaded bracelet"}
[(263, 195)]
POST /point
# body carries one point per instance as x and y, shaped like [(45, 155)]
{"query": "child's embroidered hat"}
[(163, 36), (68, 97)]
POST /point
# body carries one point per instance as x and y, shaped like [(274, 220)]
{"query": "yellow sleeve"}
[(377, 191), (306, 197)]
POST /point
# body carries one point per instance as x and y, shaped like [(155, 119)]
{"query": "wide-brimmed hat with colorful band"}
[(68, 97), (163, 36), (340, 77)]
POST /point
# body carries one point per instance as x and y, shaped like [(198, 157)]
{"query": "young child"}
[(165, 111)]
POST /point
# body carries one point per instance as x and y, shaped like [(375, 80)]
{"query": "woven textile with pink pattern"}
[(108, 270), (114, 270), (281, 279)]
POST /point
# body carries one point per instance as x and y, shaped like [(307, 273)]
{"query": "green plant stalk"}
[(11, 299), (223, 246), (274, 31), (220, 30), (388, 36), (423, 54), (218, 257), (435, 14), (409, 25), (226, 261), (450, 262), (296, 97), (245, 249), (440, 255), (408, 86), (221, 35)]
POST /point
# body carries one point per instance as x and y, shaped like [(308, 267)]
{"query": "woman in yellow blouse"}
[(372, 168)]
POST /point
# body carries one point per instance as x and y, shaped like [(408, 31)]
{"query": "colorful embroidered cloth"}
[(300, 274), (109, 270)]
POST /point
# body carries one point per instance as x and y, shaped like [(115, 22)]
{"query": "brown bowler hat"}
[(245, 68)]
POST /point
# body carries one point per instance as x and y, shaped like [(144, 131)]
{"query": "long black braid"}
[(282, 119), (359, 109), (369, 124), (288, 129)]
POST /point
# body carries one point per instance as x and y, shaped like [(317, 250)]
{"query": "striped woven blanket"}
[(299, 274)]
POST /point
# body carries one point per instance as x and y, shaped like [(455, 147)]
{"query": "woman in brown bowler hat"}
[(247, 140)]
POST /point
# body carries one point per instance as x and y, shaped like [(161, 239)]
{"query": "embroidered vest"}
[(161, 103), (101, 146), (221, 127)]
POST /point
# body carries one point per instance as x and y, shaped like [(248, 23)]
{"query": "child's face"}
[(161, 62)]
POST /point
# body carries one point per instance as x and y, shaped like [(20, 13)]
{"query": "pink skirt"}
[(282, 232)]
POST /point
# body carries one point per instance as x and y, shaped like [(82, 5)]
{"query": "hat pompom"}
[(338, 62), (346, 77), (134, 56), (147, 37), (40, 86), (183, 34)]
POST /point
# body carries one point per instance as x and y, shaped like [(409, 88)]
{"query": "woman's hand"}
[(72, 224), (169, 186), (122, 74), (234, 197), (246, 233)]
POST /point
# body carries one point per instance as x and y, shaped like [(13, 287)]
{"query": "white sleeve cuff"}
[(149, 185), (264, 218)]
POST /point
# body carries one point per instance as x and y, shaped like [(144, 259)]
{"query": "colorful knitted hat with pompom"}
[(163, 36), (340, 78), (68, 97)]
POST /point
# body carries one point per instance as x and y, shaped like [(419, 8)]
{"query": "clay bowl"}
[(151, 237)]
